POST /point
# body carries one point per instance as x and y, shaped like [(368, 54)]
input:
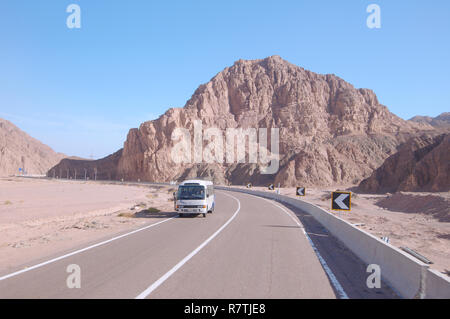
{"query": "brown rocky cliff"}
[(421, 164), (330, 132)]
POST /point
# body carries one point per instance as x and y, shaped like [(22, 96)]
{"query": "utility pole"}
[(75, 174), (85, 172)]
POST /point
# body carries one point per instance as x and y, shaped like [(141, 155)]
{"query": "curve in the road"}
[(258, 254), (337, 286), (157, 283)]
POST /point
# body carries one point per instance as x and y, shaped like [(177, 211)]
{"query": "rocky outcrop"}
[(19, 150), (330, 132), (78, 168), (421, 164)]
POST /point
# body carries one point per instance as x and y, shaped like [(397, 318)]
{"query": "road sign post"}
[(300, 191), (341, 201)]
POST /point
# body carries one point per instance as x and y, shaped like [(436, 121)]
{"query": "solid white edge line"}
[(338, 287), (333, 279), (81, 250), (166, 276)]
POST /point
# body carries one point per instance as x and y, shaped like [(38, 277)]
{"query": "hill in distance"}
[(19, 150), (440, 121)]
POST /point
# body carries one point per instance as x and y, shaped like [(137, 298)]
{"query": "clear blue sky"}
[(80, 90)]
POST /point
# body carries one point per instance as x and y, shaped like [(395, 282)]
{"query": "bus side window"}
[(210, 190)]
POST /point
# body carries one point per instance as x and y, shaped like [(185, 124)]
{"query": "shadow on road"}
[(149, 214), (349, 270)]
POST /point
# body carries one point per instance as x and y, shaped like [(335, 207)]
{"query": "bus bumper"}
[(192, 210)]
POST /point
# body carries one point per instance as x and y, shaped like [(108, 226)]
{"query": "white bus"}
[(195, 197)]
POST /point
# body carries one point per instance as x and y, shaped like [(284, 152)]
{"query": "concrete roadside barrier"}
[(409, 277), (437, 285)]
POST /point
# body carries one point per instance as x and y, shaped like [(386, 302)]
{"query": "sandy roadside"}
[(420, 221), (40, 218)]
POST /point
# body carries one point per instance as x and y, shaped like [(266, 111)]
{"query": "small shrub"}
[(126, 214)]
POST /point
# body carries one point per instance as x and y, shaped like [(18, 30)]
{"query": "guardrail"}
[(409, 277)]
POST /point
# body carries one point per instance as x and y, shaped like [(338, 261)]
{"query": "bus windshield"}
[(191, 192)]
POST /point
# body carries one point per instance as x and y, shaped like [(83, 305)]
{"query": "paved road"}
[(248, 248)]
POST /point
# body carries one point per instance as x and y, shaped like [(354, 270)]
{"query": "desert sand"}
[(417, 220), (40, 218)]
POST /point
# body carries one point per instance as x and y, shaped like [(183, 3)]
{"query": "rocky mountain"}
[(79, 168), (329, 131), (441, 121), (19, 150), (421, 164)]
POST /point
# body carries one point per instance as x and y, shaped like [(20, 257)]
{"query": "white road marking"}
[(166, 276), (333, 279), (81, 250), (329, 272)]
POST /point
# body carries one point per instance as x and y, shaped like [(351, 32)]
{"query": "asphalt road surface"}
[(249, 247)]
